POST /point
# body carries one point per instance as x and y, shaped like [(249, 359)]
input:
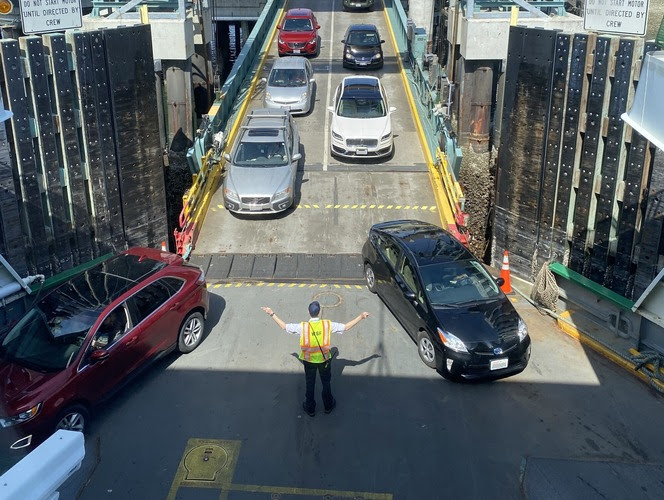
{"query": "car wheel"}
[(191, 332), (74, 418), (426, 349), (370, 277)]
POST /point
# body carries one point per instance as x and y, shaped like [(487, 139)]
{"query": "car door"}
[(97, 378), (310, 76), (410, 304), (155, 312), (386, 275)]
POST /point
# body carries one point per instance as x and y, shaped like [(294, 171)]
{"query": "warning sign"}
[(44, 16), (627, 17)]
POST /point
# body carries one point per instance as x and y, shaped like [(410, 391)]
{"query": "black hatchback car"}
[(464, 326), (362, 47)]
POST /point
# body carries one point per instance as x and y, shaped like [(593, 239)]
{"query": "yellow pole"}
[(143, 10), (515, 15)]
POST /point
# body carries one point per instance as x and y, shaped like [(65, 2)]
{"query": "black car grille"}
[(488, 348), (297, 45), (368, 143), (256, 201)]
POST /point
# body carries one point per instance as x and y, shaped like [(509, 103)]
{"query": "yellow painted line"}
[(336, 286), (566, 325), (217, 285), (302, 285), (229, 285), (310, 492), (281, 285), (292, 285), (444, 208), (270, 284)]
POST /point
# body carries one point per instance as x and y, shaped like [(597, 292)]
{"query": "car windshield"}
[(353, 107), (287, 78), (50, 335), (261, 154), (362, 38), (298, 25), (458, 282)]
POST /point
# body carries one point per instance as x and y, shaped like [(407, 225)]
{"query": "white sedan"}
[(361, 123)]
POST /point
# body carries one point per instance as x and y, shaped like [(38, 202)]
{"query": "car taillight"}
[(201, 278)]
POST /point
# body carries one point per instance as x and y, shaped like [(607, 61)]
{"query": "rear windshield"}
[(363, 38), (287, 78), (298, 25)]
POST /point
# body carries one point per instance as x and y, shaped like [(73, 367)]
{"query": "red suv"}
[(85, 339), (298, 34)]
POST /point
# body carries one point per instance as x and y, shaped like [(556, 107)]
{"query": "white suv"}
[(361, 124)]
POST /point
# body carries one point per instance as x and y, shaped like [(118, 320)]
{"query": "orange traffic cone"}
[(163, 247), (506, 287)]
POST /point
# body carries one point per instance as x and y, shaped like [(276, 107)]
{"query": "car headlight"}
[(281, 41), (386, 137), (337, 136), (21, 417), (376, 56), (350, 56), (303, 96), (522, 331), (268, 96), (282, 194), (451, 341), (231, 195)]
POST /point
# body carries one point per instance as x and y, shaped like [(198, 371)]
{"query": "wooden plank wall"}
[(599, 181), (63, 151)]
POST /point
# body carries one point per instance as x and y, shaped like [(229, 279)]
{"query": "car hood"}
[(17, 381), (258, 181), (364, 50), (296, 36), (362, 128), (491, 321), (286, 93)]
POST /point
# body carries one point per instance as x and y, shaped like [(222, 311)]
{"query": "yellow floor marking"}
[(347, 286), (372, 206), (302, 285), (260, 284), (354, 206), (229, 285), (238, 285), (270, 284), (292, 285), (336, 286), (328, 206), (316, 206), (210, 464), (389, 206), (281, 285), (323, 285), (218, 285)]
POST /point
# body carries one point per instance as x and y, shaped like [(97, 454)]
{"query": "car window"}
[(458, 281), (261, 154), (362, 38), (297, 25), (111, 329), (389, 250), (310, 69), (174, 285), (289, 77), (147, 300)]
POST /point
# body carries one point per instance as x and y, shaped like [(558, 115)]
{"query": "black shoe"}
[(334, 405), (311, 413)]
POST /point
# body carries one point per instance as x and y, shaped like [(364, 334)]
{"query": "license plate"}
[(361, 151), (258, 208), (497, 364), (362, 63), (296, 51)]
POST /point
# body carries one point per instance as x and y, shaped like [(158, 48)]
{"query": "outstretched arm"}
[(276, 318), (355, 321)]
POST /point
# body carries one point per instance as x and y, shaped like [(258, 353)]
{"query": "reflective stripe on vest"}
[(314, 339)]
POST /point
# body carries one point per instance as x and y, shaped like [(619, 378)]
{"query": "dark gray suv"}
[(363, 47)]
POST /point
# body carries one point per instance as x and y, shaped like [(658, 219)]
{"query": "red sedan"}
[(298, 34), (89, 336)]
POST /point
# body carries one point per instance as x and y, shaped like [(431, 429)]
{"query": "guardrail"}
[(205, 158)]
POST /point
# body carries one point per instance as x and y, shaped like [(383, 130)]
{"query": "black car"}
[(464, 326), (358, 4), (362, 47)]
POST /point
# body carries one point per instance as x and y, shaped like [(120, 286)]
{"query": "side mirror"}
[(296, 157), (392, 109), (410, 296), (343, 41), (98, 355), (317, 26), (500, 281), (312, 80), (382, 41), (263, 80), (279, 26), (227, 157), (330, 109)]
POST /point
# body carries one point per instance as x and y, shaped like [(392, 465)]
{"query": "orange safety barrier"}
[(506, 287)]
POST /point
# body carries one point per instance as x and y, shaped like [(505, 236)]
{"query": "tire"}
[(370, 277), (74, 418), (426, 349), (191, 332)]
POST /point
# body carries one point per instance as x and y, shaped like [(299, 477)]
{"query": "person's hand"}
[(268, 311), (364, 315)]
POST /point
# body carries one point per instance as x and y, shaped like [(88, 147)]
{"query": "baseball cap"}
[(314, 308)]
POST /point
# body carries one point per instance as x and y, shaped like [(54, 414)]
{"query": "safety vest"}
[(314, 339)]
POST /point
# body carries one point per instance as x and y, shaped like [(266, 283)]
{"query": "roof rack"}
[(271, 127), (259, 113)]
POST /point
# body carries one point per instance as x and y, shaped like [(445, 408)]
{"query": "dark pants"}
[(325, 371)]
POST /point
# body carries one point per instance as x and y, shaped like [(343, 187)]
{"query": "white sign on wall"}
[(44, 16), (627, 17)]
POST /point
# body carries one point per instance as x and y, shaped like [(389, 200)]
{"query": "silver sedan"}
[(290, 85)]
